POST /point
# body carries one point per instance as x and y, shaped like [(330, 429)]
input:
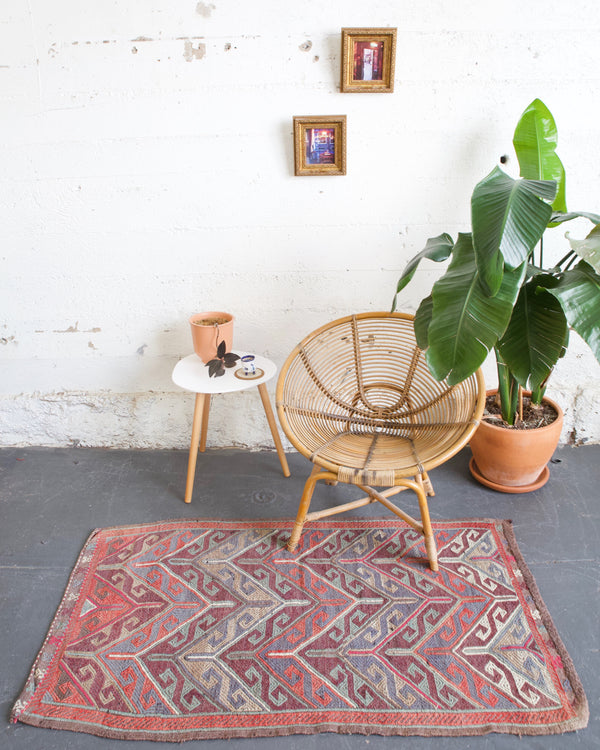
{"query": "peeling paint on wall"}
[(74, 329), (205, 9), (193, 53)]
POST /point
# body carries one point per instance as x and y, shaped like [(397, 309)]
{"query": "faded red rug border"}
[(573, 717)]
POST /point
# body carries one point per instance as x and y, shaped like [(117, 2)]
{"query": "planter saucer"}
[(539, 482)]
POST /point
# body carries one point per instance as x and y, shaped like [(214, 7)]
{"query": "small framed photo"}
[(320, 145), (368, 60)]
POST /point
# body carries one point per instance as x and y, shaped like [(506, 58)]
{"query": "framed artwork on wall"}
[(368, 60), (320, 145)]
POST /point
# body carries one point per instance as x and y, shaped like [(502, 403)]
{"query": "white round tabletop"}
[(192, 374)]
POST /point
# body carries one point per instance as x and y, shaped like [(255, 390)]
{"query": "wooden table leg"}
[(196, 428), (264, 395), (204, 422)]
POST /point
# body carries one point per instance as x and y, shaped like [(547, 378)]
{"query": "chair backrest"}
[(364, 375)]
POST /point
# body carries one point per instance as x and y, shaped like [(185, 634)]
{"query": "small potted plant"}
[(209, 329), (497, 294)]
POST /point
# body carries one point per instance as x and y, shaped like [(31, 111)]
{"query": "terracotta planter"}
[(207, 334), (514, 460)]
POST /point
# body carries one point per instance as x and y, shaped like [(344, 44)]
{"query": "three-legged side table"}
[(192, 374)]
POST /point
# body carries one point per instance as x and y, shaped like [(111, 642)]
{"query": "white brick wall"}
[(147, 173)]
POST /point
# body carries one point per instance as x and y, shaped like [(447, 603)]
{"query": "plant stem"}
[(571, 254), (520, 397), (508, 390), (570, 263), (538, 394)]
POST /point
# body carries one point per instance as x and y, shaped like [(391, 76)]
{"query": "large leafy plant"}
[(496, 293)]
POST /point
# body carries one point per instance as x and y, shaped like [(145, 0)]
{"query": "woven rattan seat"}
[(357, 399)]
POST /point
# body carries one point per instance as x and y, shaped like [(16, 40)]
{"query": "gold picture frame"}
[(368, 60), (320, 145)]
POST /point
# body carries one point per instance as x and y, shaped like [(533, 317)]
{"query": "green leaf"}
[(536, 336), (422, 321), (578, 291), (437, 248), (508, 218), (535, 145), (589, 248), (466, 322), (559, 217)]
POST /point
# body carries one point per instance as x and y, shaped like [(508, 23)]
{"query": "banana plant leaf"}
[(578, 291), (559, 218), (422, 321), (508, 218), (466, 322), (536, 337), (437, 248), (535, 141), (589, 248)]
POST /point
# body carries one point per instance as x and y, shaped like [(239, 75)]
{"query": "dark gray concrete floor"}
[(51, 499)]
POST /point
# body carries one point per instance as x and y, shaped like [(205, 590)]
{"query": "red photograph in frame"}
[(368, 60)]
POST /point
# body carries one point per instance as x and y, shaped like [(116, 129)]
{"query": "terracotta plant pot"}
[(514, 460), (208, 330)]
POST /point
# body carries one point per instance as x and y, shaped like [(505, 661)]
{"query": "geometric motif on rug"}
[(212, 629)]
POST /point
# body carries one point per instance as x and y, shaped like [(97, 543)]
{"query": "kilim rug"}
[(211, 629)]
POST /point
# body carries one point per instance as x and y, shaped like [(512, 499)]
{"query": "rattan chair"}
[(357, 399)]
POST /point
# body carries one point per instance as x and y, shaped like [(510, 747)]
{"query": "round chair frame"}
[(356, 398)]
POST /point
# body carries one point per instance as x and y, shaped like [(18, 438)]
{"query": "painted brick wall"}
[(147, 173)]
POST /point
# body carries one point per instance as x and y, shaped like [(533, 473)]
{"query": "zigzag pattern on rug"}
[(191, 629)]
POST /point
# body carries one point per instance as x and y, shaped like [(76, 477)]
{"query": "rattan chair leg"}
[(431, 548), (353, 505), (430, 545), (307, 494), (382, 498), (424, 527), (427, 486)]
